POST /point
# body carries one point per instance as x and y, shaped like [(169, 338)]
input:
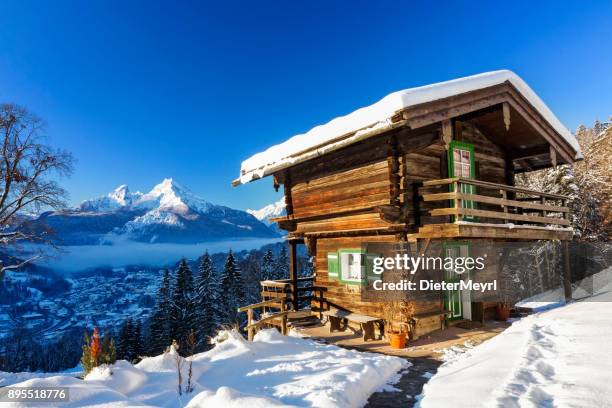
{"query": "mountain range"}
[(273, 210), (169, 213)]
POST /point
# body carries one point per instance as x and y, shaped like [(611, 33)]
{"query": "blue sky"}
[(139, 91)]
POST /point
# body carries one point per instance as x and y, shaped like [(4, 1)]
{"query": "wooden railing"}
[(276, 295), (515, 204), (273, 289), (278, 319)]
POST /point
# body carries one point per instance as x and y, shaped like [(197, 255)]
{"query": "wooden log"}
[(504, 203), (293, 273), (258, 305), (251, 328), (393, 168), (494, 214)]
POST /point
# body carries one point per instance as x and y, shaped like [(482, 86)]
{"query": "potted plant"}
[(502, 311), (396, 336)]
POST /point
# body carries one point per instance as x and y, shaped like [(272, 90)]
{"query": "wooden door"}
[(461, 163)]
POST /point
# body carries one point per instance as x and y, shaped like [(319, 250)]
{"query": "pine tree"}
[(232, 290), (281, 266), (159, 328), (109, 353), (267, 265), (125, 349), (207, 311), (182, 307), (136, 341), (86, 357)]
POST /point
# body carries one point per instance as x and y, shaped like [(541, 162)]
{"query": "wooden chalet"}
[(426, 166)]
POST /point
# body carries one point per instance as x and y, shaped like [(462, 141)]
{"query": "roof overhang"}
[(416, 108)]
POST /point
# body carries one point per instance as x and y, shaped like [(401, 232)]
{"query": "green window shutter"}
[(333, 265)]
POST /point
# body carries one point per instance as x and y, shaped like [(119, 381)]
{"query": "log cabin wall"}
[(332, 194), (349, 296), (336, 186)]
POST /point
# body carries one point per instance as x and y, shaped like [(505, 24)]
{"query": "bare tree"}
[(29, 170)]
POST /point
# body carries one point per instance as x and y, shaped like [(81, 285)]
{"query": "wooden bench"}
[(338, 320), (423, 323)]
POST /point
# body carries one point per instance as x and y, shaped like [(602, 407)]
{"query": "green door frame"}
[(453, 298), (468, 189)]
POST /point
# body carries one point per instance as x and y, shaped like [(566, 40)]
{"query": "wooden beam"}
[(506, 113), (447, 132), (495, 200), (498, 215), (288, 198), (394, 171), (293, 273), (553, 156), (492, 186)]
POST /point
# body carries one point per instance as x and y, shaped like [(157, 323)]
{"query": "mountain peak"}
[(120, 194), (169, 195), (276, 209)]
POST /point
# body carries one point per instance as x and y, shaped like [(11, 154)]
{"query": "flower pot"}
[(502, 312), (397, 340)]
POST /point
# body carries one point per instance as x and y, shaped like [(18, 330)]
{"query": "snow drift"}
[(272, 371)]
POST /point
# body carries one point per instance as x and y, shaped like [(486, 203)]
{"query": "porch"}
[(468, 208), (428, 346)]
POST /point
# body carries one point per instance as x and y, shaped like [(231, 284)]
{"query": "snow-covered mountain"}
[(168, 213), (273, 210)]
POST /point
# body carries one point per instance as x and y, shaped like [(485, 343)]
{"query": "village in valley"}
[(366, 232)]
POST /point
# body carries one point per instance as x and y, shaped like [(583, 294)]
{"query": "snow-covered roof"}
[(374, 119)]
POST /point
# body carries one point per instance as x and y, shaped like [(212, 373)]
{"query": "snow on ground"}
[(556, 358), (272, 371), (7, 379), (373, 119)]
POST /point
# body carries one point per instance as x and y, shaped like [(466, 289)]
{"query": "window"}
[(351, 266), (462, 163)]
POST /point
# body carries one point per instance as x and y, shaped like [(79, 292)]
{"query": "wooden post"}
[(320, 304), (447, 132), (543, 202), (284, 319), (288, 198), (456, 187), (567, 273), (444, 161), (416, 203), (504, 206), (251, 330), (393, 165), (509, 176), (293, 274)]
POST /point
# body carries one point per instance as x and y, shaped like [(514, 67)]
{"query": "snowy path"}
[(557, 358)]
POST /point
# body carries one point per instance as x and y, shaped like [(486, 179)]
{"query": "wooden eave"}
[(467, 103)]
